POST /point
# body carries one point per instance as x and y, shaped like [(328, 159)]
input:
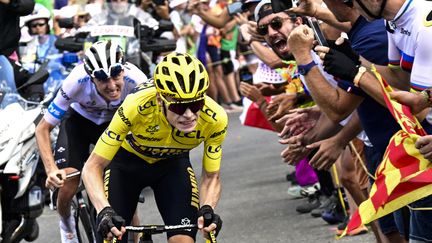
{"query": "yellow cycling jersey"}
[(140, 127)]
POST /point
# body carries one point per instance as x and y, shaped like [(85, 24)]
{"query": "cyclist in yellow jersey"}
[(147, 144)]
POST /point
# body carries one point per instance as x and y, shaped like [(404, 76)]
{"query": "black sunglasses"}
[(37, 24), (180, 107), (276, 23), (114, 71)]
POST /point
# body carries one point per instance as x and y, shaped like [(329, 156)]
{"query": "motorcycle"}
[(21, 196)]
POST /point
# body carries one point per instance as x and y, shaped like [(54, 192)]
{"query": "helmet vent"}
[(171, 86), (201, 68), (192, 81), (175, 60), (188, 59), (159, 84), (201, 84), (96, 55), (165, 71), (180, 80)]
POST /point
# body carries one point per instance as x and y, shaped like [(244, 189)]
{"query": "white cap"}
[(175, 3), (258, 7)]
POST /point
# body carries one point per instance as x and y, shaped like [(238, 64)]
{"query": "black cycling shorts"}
[(73, 142), (172, 181)]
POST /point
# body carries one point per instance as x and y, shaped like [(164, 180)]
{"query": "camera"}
[(150, 40), (67, 23), (245, 75)]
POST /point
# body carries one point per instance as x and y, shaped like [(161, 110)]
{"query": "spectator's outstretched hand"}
[(329, 150), (306, 8), (281, 105), (295, 150), (251, 92), (299, 121), (416, 101)]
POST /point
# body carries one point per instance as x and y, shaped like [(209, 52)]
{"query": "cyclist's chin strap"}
[(379, 16)]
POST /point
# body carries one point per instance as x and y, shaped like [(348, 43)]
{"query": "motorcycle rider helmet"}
[(181, 77), (104, 59), (39, 12)]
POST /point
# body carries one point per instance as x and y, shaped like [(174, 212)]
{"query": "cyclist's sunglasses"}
[(180, 107), (276, 23), (114, 71)]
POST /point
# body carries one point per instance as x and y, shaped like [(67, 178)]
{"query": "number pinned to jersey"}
[(428, 20)]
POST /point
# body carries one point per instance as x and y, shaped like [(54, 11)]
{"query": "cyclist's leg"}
[(176, 194), (124, 179)]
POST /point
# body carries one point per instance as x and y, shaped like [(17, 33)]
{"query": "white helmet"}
[(39, 12), (104, 59)]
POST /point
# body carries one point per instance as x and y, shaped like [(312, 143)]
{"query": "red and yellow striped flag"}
[(404, 176)]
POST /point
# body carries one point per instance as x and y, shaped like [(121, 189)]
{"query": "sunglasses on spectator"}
[(114, 71), (276, 23), (37, 24), (180, 107)]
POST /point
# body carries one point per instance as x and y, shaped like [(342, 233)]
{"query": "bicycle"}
[(147, 231), (83, 212)]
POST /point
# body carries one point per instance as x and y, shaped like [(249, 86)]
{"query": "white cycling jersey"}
[(410, 42), (79, 92)]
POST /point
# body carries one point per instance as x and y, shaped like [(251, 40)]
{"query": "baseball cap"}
[(175, 3), (247, 3), (260, 11)]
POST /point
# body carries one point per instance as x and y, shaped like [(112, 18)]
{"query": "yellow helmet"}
[(181, 76)]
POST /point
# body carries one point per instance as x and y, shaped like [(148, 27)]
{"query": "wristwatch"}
[(358, 76), (304, 69)]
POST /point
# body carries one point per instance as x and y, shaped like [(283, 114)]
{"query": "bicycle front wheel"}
[(84, 227)]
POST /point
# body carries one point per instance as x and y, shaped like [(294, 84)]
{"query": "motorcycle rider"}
[(84, 105)]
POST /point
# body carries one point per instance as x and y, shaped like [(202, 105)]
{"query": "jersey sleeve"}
[(64, 98), (421, 72), (213, 145), (393, 53), (112, 138)]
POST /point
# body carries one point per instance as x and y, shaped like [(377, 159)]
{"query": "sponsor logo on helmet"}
[(214, 152), (189, 138)]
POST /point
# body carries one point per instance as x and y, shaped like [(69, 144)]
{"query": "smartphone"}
[(234, 8), (319, 36), (245, 75)]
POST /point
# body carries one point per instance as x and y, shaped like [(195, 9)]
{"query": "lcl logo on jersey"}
[(113, 135), (114, 138), (145, 109), (209, 112), (214, 152), (189, 138)]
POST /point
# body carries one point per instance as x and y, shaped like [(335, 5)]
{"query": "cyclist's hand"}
[(55, 179), (208, 221), (110, 224)]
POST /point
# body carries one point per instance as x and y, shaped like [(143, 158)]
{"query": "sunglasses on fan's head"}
[(276, 23), (34, 25), (180, 107), (114, 71)]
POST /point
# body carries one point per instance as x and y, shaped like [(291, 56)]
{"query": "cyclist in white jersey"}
[(84, 106)]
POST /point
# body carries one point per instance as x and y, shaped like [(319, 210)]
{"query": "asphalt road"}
[(254, 204)]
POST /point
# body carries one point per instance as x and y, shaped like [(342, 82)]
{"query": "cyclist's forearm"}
[(44, 144), (92, 175), (210, 189)]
